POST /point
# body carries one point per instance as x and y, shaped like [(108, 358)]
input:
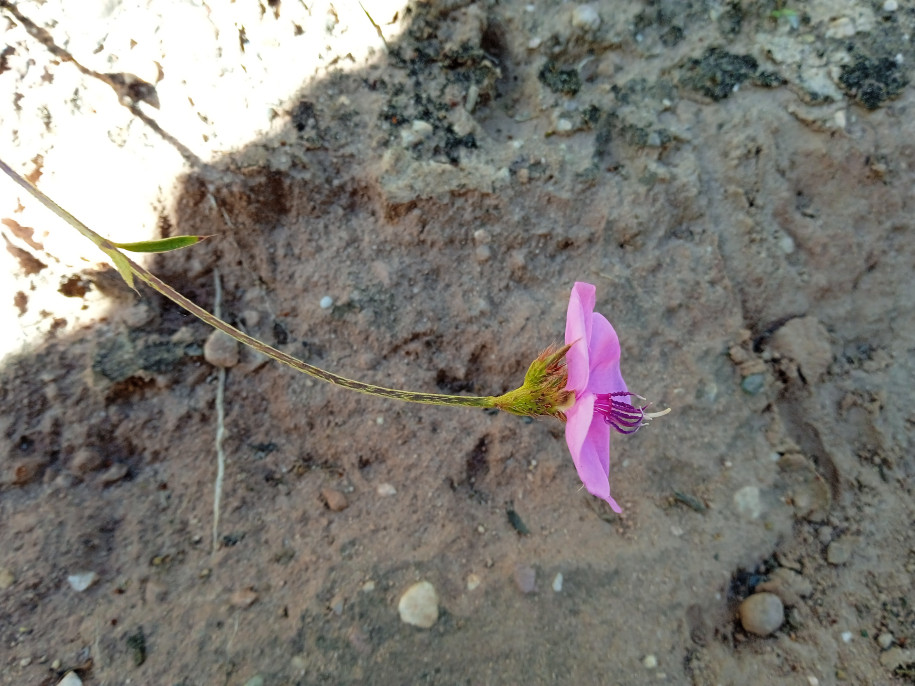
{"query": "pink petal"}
[(604, 358), (578, 422), (588, 438), (578, 332)]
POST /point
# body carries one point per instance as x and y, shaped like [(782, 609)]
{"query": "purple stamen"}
[(622, 416)]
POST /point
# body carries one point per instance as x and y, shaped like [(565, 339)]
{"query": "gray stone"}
[(839, 551), (418, 605), (753, 384), (221, 350), (762, 613), (886, 640)]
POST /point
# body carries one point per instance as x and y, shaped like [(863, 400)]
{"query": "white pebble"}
[(585, 17), (557, 582), (386, 489), (482, 253), (846, 636), (786, 243), (418, 131), (813, 681), (80, 581), (473, 582), (650, 662), (326, 302), (70, 679), (748, 502), (418, 605), (890, 6), (841, 27)]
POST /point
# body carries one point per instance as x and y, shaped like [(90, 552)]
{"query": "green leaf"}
[(123, 266), (161, 245)]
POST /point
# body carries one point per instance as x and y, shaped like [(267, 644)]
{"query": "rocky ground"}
[(405, 194)]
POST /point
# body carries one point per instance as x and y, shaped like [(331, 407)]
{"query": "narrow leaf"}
[(161, 245)]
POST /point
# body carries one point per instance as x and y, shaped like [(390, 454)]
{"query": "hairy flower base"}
[(622, 416)]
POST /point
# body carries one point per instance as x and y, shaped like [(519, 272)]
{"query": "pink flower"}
[(601, 397)]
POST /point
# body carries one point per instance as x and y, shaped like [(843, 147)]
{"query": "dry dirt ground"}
[(735, 177)]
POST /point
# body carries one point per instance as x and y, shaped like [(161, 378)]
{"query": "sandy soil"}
[(737, 184)]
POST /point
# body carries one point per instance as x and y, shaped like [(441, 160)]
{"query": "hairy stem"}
[(158, 285)]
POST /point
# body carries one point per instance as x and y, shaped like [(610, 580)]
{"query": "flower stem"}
[(158, 285)]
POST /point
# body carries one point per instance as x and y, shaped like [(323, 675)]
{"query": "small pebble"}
[(748, 502), (786, 243), (386, 489), (7, 578), (114, 473), (557, 582), (418, 605), (70, 679), (80, 581), (585, 17), (840, 119), (242, 598), (839, 551), (753, 384), (326, 302), (221, 350), (525, 578), (890, 6), (256, 680), (473, 581), (762, 613), (86, 460), (368, 587), (482, 253), (650, 662), (416, 133), (336, 605), (137, 315), (886, 640), (335, 500), (840, 27), (26, 470)]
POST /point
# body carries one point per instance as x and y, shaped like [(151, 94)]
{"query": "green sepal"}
[(161, 245)]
